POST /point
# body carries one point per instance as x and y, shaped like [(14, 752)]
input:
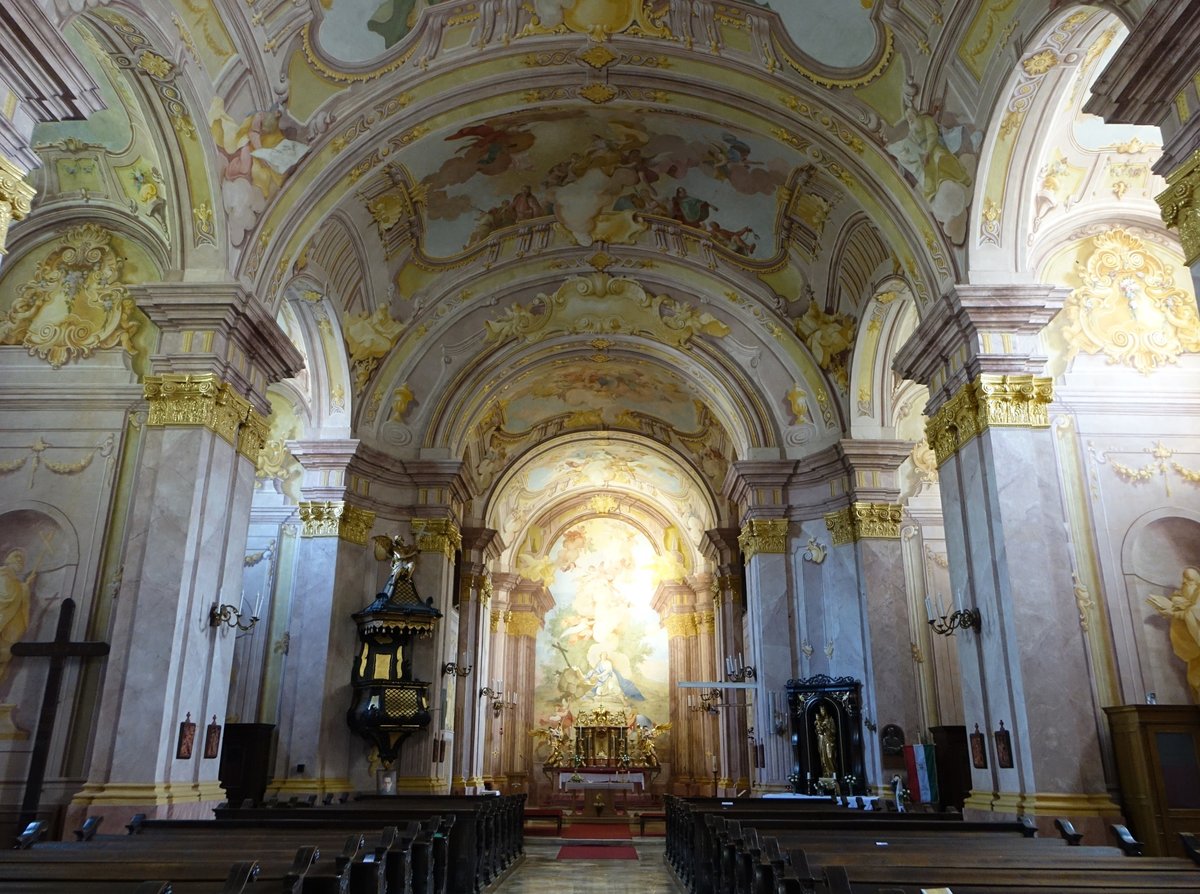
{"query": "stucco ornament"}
[(369, 337), (76, 302), (1129, 308)]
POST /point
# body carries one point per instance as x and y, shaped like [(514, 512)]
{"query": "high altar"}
[(602, 752)]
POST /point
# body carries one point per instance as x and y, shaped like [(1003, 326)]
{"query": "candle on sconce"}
[(928, 608), (258, 605), (714, 762)]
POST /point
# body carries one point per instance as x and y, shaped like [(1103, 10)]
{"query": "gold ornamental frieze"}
[(1180, 205), (1020, 400), (763, 535), (252, 436), (864, 521), (437, 535)]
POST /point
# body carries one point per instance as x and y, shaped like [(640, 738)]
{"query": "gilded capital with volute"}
[(437, 535), (1180, 205), (1014, 401), (763, 535)]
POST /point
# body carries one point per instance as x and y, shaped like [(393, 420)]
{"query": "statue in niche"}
[(16, 588), (1182, 608), (826, 730)]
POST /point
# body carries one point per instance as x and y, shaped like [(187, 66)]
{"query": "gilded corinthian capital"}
[(1180, 205), (15, 197)]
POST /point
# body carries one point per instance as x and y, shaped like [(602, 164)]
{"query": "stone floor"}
[(541, 873)]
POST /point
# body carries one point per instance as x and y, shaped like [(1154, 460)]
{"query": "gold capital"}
[(204, 400), (523, 624), (864, 521), (437, 535), (763, 535), (15, 197), (1018, 401), (680, 624), (336, 518), (1180, 205)]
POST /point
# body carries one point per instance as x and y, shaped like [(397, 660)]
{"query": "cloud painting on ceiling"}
[(598, 174), (356, 31), (609, 391), (839, 35)]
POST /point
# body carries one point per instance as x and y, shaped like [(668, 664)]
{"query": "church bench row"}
[(210, 863), (485, 838), (948, 859)]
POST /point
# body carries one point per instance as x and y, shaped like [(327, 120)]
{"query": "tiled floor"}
[(541, 873)]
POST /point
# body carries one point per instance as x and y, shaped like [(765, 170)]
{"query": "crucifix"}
[(58, 651)]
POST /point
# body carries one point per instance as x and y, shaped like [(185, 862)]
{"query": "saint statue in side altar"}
[(826, 730)]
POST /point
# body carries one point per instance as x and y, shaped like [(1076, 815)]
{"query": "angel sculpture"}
[(646, 737), (402, 555)]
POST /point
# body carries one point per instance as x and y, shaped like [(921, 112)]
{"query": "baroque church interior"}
[(623, 345)]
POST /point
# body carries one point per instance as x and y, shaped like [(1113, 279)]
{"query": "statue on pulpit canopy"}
[(1183, 609), (826, 742), (401, 554)]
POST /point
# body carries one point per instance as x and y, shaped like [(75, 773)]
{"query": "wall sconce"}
[(230, 615), (737, 670), (709, 703), (459, 668), (961, 619), (503, 703)]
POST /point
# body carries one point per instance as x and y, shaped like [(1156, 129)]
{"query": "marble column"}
[(335, 576), (770, 639), (474, 715), (528, 604), (871, 524), (188, 522), (500, 753), (689, 762), (426, 761), (1026, 669), (728, 606)]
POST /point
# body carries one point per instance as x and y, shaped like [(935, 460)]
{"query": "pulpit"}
[(826, 729)]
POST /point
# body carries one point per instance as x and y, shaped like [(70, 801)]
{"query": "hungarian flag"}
[(922, 773)]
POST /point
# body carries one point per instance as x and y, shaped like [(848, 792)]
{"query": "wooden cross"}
[(58, 651)]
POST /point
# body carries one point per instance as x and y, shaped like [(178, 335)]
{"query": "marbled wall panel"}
[(769, 645)]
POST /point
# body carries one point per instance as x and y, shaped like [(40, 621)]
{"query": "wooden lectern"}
[(1158, 762)]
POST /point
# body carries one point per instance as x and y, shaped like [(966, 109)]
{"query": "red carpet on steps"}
[(596, 852), (597, 830)]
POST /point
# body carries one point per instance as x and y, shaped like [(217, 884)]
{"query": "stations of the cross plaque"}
[(58, 651)]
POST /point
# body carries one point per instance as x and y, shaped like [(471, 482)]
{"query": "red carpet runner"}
[(596, 852)]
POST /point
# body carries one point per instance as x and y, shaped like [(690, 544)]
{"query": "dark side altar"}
[(827, 739)]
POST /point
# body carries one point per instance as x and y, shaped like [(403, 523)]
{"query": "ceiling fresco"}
[(597, 174), (623, 469), (838, 35), (607, 391)]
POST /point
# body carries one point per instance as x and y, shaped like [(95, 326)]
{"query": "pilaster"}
[(316, 751), (1007, 553), (190, 512)]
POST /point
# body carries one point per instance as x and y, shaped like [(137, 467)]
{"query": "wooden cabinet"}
[(1158, 763)]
